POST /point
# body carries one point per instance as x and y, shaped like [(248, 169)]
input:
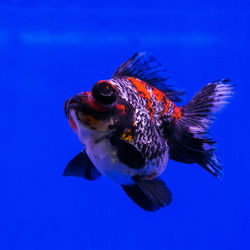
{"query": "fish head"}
[(98, 112)]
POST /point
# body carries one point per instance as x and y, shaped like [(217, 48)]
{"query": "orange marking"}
[(159, 95), (97, 107), (165, 109), (126, 135), (143, 92), (121, 108), (94, 105), (177, 113), (162, 98), (90, 120)]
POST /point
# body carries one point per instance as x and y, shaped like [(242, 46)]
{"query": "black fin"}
[(128, 153), (146, 68), (188, 139), (81, 166), (150, 195), (140, 198)]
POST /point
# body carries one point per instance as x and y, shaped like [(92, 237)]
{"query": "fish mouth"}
[(76, 103)]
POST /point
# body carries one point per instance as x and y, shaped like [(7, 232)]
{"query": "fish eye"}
[(104, 93)]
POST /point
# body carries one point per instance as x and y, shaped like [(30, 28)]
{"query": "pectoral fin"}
[(81, 166), (127, 153)]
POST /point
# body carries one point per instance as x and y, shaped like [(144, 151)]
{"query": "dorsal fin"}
[(146, 68)]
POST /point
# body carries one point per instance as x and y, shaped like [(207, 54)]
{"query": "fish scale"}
[(145, 128)]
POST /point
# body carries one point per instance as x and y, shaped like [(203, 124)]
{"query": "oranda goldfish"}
[(130, 126)]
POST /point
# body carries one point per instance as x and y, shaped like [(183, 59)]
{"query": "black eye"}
[(104, 93)]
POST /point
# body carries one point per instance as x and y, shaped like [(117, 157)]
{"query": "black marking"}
[(127, 153), (77, 116), (110, 127), (81, 166)]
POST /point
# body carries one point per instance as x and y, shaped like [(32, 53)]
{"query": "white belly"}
[(104, 157)]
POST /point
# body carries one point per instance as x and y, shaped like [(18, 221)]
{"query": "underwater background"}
[(51, 50)]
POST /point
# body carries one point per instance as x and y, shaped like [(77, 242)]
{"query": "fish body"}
[(130, 126), (140, 131)]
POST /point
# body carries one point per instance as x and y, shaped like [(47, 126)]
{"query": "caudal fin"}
[(189, 141)]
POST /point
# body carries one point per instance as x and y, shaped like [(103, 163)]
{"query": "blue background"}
[(51, 50)]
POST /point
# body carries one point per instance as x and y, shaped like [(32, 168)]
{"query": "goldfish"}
[(130, 126)]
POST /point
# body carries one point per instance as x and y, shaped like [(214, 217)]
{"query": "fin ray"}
[(146, 68), (188, 140), (150, 195), (81, 166)]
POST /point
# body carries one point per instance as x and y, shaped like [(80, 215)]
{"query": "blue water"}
[(51, 50)]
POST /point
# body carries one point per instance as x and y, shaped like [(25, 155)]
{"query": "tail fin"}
[(188, 140)]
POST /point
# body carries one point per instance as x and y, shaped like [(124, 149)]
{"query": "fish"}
[(130, 126)]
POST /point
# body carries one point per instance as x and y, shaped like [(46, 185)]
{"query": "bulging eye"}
[(104, 93)]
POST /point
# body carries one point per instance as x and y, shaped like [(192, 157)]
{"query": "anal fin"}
[(150, 195)]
